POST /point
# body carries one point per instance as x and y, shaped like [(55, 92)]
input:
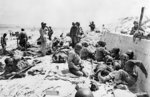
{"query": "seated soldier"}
[(56, 43), (129, 66), (101, 69), (74, 61), (85, 52), (115, 53), (22, 40), (101, 51), (127, 75)]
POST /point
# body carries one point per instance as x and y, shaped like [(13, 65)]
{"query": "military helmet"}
[(130, 53), (78, 46), (135, 22), (84, 92), (124, 56)]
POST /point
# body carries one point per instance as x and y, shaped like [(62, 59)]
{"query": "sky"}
[(61, 13)]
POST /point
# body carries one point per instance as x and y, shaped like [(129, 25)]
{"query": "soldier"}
[(10, 66), (127, 75), (73, 34), (115, 53), (101, 51), (3, 43), (74, 61), (135, 28), (130, 54), (43, 38), (22, 40), (79, 32), (137, 31), (92, 26), (85, 52), (50, 32)]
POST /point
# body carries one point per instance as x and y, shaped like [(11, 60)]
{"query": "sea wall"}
[(142, 52)]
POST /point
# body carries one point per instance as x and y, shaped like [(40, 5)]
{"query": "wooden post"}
[(141, 16), (139, 25)]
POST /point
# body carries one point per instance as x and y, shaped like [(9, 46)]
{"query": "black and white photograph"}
[(74, 48)]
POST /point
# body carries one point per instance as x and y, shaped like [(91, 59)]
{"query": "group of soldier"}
[(111, 65)]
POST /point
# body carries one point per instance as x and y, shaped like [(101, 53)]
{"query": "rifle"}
[(20, 72)]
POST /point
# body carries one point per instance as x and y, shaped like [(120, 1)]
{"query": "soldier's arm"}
[(141, 66), (70, 62), (106, 52), (132, 31)]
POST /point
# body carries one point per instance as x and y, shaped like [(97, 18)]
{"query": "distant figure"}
[(79, 32), (137, 31), (75, 63), (43, 38), (3, 43), (50, 32), (22, 40), (92, 26), (73, 34), (135, 28)]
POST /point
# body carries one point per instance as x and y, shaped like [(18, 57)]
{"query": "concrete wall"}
[(142, 52)]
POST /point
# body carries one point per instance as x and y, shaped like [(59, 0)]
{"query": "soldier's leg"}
[(76, 72)]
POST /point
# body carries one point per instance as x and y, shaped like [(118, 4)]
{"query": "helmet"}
[(101, 43), (115, 50), (8, 61), (84, 92), (124, 56), (78, 46), (130, 53), (135, 22), (116, 65)]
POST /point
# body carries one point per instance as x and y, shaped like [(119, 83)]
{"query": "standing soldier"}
[(43, 36), (22, 40), (3, 43), (50, 32), (73, 34), (92, 26), (79, 32)]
